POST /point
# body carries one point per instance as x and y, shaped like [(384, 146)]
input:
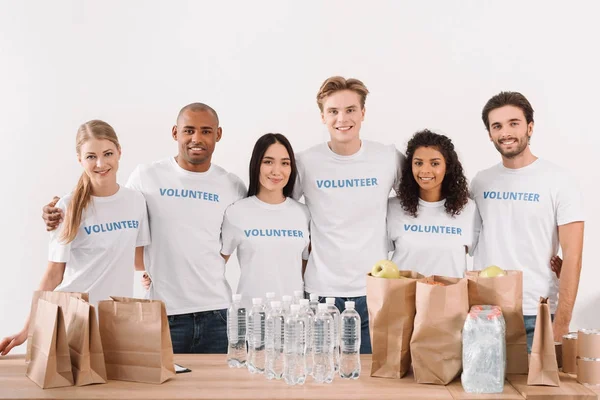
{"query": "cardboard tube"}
[(588, 371), (569, 353), (588, 343)]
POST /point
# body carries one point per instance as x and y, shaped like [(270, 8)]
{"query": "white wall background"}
[(259, 64)]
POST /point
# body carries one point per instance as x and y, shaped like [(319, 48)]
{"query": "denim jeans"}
[(360, 305), (530, 328), (199, 332)]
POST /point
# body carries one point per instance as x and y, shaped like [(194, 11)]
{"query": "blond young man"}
[(346, 183)]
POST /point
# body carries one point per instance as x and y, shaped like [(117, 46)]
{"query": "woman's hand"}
[(9, 342)]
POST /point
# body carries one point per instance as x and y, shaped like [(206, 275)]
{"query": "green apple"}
[(492, 271), (385, 269)]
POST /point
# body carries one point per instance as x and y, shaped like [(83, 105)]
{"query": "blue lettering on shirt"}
[(345, 183), (274, 232), (111, 226), (190, 194), (437, 229), (513, 196)]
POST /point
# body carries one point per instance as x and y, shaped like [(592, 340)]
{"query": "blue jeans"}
[(200, 332), (360, 305), (530, 328)]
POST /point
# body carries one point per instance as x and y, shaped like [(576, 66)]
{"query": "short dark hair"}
[(260, 148), (195, 107), (507, 99), (455, 187)]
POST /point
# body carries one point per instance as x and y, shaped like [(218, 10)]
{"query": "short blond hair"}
[(337, 83)]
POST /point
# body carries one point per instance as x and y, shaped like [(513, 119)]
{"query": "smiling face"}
[(100, 161), (429, 169), (196, 133), (343, 116), (509, 130), (275, 169)]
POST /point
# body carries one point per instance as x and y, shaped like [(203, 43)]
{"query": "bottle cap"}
[(294, 308), (275, 304), (350, 305), (257, 300), (304, 302), (298, 293), (322, 307), (314, 297), (330, 300), (270, 295), (286, 298)]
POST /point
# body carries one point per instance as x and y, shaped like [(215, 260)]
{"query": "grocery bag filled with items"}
[(442, 305), (503, 288), (391, 304)]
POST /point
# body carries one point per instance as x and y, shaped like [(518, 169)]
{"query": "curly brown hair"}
[(455, 187)]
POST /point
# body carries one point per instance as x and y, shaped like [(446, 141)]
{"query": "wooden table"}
[(212, 379)]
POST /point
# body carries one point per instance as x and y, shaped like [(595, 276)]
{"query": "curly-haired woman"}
[(431, 223)]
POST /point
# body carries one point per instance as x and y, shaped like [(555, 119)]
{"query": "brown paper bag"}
[(87, 357), (507, 293), (436, 343), (50, 364), (391, 305), (136, 340), (58, 298), (543, 368)]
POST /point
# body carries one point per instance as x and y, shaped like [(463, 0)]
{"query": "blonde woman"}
[(93, 250)]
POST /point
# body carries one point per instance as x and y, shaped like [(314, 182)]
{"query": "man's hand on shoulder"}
[(52, 215)]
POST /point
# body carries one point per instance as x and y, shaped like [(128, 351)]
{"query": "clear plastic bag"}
[(484, 350)]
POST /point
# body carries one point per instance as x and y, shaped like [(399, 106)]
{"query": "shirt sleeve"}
[(58, 250), (241, 189), (476, 229), (298, 191), (400, 160), (569, 204), (230, 234), (391, 245), (135, 181), (306, 252), (143, 237)]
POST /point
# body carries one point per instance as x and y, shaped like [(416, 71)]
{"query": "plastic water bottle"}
[(310, 321), (314, 302), (256, 337), (286, 302), (294, 348), (323, 358), (274, 341), (335, 314), (270, 296), (298, 295), (350, 343), (236, 333)]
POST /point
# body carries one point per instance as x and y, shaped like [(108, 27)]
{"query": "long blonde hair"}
[(82, 194)]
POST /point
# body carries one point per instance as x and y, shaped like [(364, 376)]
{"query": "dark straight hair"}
[(260, 148)]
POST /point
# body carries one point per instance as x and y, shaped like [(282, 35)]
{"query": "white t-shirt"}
[(347, 198), (433, 243), (271, 241), (520, 211), (186, 212), (100, 260)]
